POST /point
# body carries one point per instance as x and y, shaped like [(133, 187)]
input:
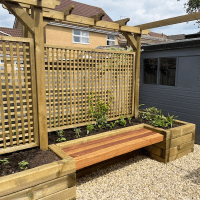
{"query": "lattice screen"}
[(16, 107), (71, 75)]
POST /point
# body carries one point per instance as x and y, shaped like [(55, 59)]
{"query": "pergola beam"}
[(98, 17), (57, 15), (21, 15), (39, 3), (68, 10), (123, 22), (170, 21)]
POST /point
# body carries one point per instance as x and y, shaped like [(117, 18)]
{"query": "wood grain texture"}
[(95, 151)]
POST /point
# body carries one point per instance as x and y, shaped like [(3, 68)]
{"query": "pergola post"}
[(137, 73), (40, 74)]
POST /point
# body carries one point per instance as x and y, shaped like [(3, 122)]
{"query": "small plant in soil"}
[(113, 124), (100, 110), (129, 119), (61, 136), (23, 164), (90, 127), (4, 161), (122, 121), (77, 131)]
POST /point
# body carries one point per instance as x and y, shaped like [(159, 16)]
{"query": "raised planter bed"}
[(57, 180), (178, 142), (52, 181)]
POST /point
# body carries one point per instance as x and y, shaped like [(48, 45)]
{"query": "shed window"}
[(150, 71), (167, 71), (110, 40), (82, 37)]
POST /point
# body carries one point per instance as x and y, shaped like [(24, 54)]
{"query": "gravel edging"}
[(141, 178)]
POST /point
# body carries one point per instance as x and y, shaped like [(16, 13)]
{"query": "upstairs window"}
[(167, 71), (82, 37), (150, 71), (110, 40)]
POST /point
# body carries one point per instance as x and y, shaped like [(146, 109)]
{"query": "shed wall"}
[(183, 99)]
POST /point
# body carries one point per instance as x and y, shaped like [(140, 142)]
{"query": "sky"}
[(139, 12)]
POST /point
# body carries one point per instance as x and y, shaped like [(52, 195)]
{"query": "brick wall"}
[(63, 36)]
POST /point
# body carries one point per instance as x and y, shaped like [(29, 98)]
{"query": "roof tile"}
[(82, 9)]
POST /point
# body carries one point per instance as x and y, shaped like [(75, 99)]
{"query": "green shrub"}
[(90, 127), (122, 121)]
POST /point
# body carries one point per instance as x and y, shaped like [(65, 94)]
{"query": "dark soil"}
[(35, 157), (69, 134)]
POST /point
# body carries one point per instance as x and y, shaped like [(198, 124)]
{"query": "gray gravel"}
[(143, 178)]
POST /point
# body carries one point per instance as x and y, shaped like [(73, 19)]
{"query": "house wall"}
[(183, 99), (63, 36)]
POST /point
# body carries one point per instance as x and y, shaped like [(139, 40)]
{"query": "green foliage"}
[(192, 6), (100, 110), (4, 161), (90, 127), (156, 117), (61, 136), (129, 119), (122, 121), (112, 125), (77, 131), (23, 164)]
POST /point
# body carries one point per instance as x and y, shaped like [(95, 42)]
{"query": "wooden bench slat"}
[(85, 146), (110, 144), (110, 152)]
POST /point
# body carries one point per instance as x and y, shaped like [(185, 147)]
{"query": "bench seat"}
[(89, 153)]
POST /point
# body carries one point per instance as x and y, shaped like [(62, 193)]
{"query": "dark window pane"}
[(150, 71), (77, 32), (167, 71), (77, 39)]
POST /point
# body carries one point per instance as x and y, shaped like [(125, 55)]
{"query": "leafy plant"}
[(90, 127), (100, 110), (129, 119), (60, 134), (122, 120), (23, 164), (112, 124), (77, 131), (4, 161), (156, 117)]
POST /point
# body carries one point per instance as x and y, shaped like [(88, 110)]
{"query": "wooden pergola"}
[(36, 14)]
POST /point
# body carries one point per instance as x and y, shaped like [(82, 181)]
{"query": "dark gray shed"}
[(170, 79)]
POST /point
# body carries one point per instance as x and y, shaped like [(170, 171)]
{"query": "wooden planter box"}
[(54, 181), (178, 142)]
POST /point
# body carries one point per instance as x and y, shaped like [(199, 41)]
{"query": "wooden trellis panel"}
[(72, 74), (18, 129)]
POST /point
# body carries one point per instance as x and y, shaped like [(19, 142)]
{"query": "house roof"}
[(82, 9), (10, 32), (177, 37), (158, 35)]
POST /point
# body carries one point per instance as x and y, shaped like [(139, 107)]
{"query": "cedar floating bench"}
[(91, 152)]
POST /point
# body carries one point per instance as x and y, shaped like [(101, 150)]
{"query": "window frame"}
[(110, 39), (158, 70), (81, 36)]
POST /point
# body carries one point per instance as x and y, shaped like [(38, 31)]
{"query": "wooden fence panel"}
[(73, 73), (17, 129)]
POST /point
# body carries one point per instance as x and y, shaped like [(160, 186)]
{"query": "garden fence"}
[(71, 74), (18, 120)]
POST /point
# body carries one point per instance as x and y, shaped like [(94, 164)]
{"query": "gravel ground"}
[(143, 178)]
